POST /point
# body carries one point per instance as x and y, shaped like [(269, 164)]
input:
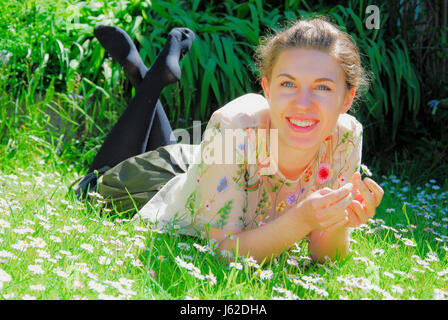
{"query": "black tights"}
[(143, 126)]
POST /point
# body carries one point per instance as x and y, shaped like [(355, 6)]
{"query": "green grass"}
[(55, 247)]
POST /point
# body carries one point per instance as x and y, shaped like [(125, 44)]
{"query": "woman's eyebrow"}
[(317, 80)]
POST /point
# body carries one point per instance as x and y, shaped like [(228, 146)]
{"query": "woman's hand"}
[(367, 197), (325, 209)]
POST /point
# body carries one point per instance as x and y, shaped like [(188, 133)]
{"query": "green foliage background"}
[(57, 63)]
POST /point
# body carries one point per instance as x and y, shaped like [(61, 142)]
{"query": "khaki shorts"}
[(135, 180)]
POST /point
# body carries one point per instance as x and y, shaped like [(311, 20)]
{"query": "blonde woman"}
[(293, 176)]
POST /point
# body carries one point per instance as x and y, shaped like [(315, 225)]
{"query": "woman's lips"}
[(302, 118), (302, 129)]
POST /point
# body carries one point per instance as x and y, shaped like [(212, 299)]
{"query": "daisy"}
[(230, 235), (200, 248), (366, 170), (236, 265), (137, 263), (142, 229), (211, 279), (264, 274), (23, 230), (226, 253), (4, 224), (61, 273), (80, 228), (103, 260), (36, 269), (37, 287), (4, 277), (183, 245), (440, 294), (377, 252), (87, 247), (96, 286), (55, 239), (292, 262), (408, 242), (6, 254), (183, 264)]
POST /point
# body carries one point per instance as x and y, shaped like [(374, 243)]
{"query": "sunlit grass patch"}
[(54, 247)]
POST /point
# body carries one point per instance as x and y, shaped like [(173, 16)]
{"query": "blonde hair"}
[(316, 33)]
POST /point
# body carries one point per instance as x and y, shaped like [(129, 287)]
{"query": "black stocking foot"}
[(120, 46), (167, 62)]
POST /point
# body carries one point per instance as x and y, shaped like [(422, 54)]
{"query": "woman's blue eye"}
[(287, 82), (326, 88)]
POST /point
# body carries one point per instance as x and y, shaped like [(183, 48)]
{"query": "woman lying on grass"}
[(298, 178)]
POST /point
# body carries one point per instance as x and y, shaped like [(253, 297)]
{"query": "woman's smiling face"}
[(307, 87)]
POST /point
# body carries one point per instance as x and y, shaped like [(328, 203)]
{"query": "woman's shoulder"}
[(347, 122), (249, 110), (347, 126)]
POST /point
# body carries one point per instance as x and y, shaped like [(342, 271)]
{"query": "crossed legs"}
[(143, 126)]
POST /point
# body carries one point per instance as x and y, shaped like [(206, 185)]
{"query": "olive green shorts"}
[(129, 185)]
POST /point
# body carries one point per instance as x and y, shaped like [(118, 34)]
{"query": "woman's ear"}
[(265, 85), (348, 100)]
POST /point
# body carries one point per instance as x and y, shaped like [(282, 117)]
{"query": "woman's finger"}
[(353, 218), (334, 209), (378, 192), (340, 215), (368, 197), (361, 211), (332, 197), (325, 190), (357, 195), (338, 225)]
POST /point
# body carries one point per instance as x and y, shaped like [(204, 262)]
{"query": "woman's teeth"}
[(302, 123)]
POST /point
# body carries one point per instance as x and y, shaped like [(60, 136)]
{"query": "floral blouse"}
[(237, 186)]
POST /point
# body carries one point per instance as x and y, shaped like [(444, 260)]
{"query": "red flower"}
[(323, 173)]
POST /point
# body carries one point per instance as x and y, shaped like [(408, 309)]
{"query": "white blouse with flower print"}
[(232, 186)]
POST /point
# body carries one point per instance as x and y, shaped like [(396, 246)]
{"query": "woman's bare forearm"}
[(269, 240)]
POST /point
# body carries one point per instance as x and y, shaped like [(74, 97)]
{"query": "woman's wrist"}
[(283, 232), (298, 219)]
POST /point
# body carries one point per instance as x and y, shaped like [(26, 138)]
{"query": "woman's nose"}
[(303, 98)]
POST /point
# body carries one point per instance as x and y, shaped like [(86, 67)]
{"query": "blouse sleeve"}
[(222, 175), (348, 153)]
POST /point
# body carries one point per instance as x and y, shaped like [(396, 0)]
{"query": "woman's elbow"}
[(337, 254)]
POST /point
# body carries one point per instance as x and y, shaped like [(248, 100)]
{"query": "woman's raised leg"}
[(130, 135)]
